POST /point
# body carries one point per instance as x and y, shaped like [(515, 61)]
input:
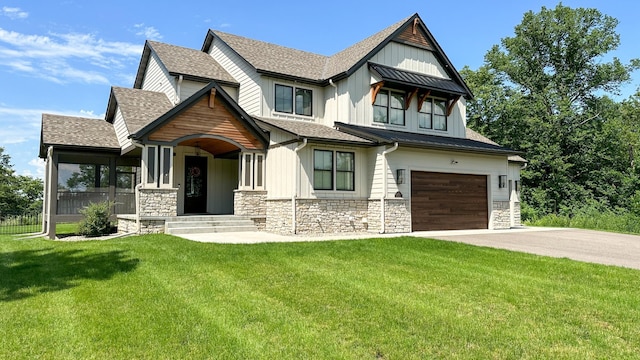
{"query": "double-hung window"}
[(433, 115), (329, 170), (289, 99), (388, 107)]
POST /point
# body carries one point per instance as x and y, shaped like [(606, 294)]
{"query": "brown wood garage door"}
[(442, 201)]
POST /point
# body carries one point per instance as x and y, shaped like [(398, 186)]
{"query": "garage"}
[(442, 201)]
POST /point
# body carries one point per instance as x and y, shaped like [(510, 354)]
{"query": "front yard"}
[(158, 296)]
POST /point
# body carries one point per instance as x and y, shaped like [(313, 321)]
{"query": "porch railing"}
[(70, 203)]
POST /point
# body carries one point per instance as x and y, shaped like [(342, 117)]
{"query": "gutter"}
[(296, 186), (384, 185)]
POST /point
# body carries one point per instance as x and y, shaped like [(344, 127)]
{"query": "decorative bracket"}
[(212, 97), (376, 89), (422, 98), (409, 98), (452, 102)]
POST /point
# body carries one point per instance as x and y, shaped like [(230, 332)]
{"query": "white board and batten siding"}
[(355, 91), (279, 166), (249, 93), (444, 162), (268, 100), (157, 78)]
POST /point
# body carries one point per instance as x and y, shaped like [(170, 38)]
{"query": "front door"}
[(195, 179)]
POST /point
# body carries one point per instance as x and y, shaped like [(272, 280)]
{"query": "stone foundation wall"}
[(500, 215), (397, 217), (278, 216), (158, 202), (319, 216), (251, 203), (128, 224), (373, 216), (515, 213)]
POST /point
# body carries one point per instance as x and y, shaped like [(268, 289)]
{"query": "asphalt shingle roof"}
[(471, 134), (312, 130), (140, 107), (190, 62), (78, 132)]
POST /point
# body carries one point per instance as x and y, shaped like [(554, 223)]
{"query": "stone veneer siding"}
[(319, 216), (515, 212), (500, 215), (278, 216), (253, 204), (397, 217), (158, 202)]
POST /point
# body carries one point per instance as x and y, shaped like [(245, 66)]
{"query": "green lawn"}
[(161, 297)]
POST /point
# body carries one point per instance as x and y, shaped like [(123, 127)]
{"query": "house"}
[(372, 138)]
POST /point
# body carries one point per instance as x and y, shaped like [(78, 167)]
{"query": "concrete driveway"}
[(582, 245)]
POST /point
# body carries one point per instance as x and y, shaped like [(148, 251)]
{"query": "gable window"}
[(286, 102), (433, 115), (388, 107), (328, 170)]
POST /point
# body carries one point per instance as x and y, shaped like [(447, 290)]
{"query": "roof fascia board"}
[(142, 67), (317, 82), (204, 79), (206, 47)]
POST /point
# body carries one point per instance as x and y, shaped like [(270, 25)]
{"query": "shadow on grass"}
[(31, 272)]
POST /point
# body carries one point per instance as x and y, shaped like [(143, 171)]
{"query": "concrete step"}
[(199, 224), (209, 223), (192, 218), (209, 229)]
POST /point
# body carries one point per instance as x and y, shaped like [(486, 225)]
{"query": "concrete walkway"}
[(582, 245)]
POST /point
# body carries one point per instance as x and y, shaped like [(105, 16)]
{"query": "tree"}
[(18, 194), (542, 92)]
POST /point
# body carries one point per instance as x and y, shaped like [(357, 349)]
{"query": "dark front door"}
[(195, 190)]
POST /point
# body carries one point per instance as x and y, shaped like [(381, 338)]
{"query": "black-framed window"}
[(433, 115), (388, 107), (286, 102), (323, 170), (345, 171), (326, 168)]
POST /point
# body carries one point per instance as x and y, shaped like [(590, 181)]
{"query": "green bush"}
[(96, 220)]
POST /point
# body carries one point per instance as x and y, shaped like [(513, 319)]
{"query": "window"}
[(324, 174), (167, 160), (388, 108), (345, 179), (433, 115), (251, 171), (284, 100), (323, 170), (259, 170), (151, 160)]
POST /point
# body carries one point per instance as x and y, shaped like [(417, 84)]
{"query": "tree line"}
[(19, 194)]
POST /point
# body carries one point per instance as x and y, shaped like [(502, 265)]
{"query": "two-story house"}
[(372, 138)]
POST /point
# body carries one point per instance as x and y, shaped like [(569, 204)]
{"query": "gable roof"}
[(77, 132), (313, 131), (233, 107), (384, 136), (191, 63), (138, 107), (285, 62), (471, 134)]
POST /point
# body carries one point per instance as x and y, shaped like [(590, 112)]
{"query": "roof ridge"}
[(217, 32)]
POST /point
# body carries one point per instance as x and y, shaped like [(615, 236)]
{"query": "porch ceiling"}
[(213, 146)]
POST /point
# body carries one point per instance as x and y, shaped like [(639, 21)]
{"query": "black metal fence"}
[(20, 224)]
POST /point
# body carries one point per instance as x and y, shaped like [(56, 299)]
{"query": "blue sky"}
[(62, 56)]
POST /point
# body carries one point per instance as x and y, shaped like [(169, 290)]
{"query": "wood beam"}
[(212, 98), (409, 98), (452, 102), (376, 89), (422, 98), (415, 25)]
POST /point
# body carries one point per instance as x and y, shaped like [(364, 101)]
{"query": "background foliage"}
[(19, 194)]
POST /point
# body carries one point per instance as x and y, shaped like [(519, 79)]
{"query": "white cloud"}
[(38, 165), (148, 32), (14, 13), (64, 58), (224, 25)]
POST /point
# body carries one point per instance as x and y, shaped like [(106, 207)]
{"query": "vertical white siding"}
[(268, 100), (188, 88), (279, 167), (410, 58), (121, 129), (249, 95), (157, 78)]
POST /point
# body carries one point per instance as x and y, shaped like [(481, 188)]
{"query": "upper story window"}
[(433, 115), (388, 107), (286, 102)]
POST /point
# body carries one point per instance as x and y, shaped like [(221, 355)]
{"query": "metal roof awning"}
[(405, 78)]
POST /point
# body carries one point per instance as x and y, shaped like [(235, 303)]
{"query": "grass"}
[(160, 297), (625, 222)]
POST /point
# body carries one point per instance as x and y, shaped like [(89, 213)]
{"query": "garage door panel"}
[(441, 201)]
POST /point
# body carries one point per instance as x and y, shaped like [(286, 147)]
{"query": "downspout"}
[(384, 185), (296, 186), (335, 97), (178, 89), (137, 191), (48, 192)]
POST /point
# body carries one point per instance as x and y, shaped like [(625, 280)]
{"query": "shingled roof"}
[(312, 131), (471, 134), (192, 64), (138, 107), (77, 132)]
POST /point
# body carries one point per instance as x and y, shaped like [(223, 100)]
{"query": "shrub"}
[(96, 220)]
